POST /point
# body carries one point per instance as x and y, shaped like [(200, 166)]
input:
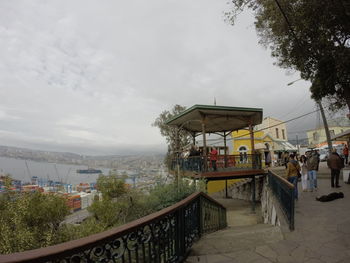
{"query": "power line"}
[(293, 119)]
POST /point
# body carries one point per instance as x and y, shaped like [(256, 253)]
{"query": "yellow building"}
[(270, 138), (242, 144), (317, 137)]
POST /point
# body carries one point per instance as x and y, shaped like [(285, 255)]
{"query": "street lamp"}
[(291, 83)]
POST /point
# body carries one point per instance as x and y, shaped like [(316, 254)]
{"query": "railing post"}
[(292, 201), (253, 193), (180, 234), (200, 216)]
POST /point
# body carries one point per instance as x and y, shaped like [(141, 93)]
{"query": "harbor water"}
[(24, 170)]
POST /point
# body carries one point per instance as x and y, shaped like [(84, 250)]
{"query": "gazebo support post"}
[(225, 154), (194, 138), (177, 153), (252, 143), (205, 167), (253, 193)]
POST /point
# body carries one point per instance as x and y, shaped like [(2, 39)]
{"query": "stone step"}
[(239, 212), (233, 239)]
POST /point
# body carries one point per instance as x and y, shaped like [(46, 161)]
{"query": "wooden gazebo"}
[(221, 120)]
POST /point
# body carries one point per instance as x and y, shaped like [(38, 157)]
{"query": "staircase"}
[(245, 233), (234, 239)]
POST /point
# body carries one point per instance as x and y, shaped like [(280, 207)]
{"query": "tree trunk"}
[(347, 97)]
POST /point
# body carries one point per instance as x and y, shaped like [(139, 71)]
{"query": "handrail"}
[(146, 233), (284, 193), (289, 184)]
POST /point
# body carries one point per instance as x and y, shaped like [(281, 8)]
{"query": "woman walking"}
[(292, 173)]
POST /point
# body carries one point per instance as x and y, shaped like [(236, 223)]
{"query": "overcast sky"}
[(91, 76)]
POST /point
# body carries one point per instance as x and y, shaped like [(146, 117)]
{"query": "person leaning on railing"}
[(292, 173), (213, 158)]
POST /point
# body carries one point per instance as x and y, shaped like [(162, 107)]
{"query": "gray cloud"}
[(85, 75)]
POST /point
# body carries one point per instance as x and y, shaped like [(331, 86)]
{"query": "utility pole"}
[(325, 127), (297, 143)]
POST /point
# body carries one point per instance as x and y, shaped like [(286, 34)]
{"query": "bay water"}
[(24, 169)]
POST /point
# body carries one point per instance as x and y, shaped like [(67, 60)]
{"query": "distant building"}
[(269, 137), (317, 137)]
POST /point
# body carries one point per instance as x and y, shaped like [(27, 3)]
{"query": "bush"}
[(30, 220)]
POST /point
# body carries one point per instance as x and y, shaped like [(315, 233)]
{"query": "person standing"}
[(285, 159), (292, 173), (213, 158), (335, 163), (346, 154), (312, 167), (304, 182), (268, 159)]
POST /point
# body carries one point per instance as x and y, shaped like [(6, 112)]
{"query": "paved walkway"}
[(321, 235)]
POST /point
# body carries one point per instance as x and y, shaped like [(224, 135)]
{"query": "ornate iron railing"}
[(284, 192), (197, 163), (164, 236)]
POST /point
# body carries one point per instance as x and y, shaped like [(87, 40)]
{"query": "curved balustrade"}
[(164, 236)]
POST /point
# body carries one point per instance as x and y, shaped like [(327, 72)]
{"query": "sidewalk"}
[(321, 235)]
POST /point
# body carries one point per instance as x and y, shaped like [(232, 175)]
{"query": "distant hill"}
[(111, 161)]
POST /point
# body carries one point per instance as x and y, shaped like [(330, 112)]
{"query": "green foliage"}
[(316, 42), (169, 132), (110, 186), (7, 181), (71, 232), (30, 220), (34, 220), (134, 204), (107, 212), (164, 195)]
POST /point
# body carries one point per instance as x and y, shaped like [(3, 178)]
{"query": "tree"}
[(30, 220), (110, 186), (310, 36), (170, 133)]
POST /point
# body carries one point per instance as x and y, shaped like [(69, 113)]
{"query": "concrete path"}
[(321, 235)]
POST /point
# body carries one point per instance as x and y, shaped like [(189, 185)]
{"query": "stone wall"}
[(270, 209), (243, 189)]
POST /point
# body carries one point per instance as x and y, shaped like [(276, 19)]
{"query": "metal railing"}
[(196, 163), (284, 192), (164, 236)]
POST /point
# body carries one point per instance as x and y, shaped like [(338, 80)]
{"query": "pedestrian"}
[(312, 167), (285, 159), (335, 163), (303, 170), (268, 159), (346, 154), (292, 173), (193, 159), (213, 158)]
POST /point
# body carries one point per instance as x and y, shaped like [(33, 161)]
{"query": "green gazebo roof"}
[(216, 118)]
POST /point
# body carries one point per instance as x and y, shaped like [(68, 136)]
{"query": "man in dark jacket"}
[(335, 163)]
